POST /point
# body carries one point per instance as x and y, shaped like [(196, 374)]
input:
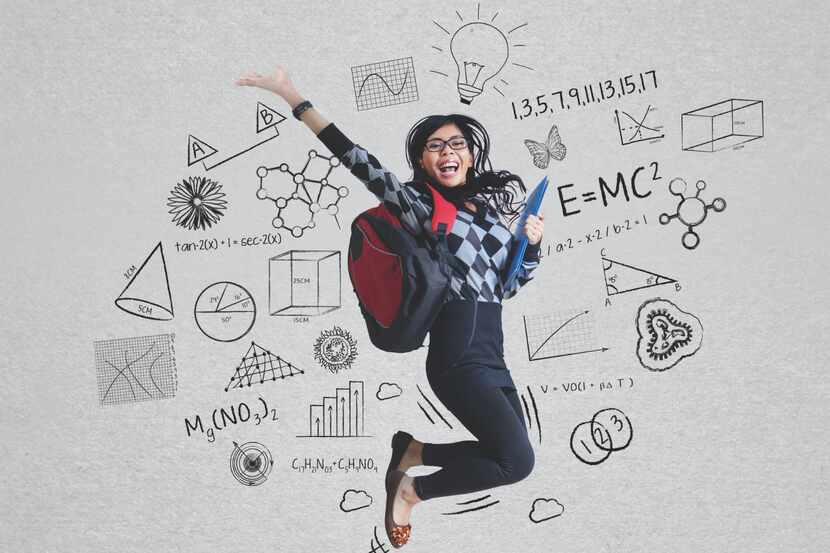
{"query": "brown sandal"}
[(398, 535)]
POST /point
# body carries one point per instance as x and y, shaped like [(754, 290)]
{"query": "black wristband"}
[(301, 107)]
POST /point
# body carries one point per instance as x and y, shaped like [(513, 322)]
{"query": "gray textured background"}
[(730, 448)]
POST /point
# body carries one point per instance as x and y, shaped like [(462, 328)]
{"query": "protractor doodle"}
[(251, 463), (225, 311)]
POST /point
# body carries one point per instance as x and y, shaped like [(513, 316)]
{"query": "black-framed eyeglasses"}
[(437, 144)]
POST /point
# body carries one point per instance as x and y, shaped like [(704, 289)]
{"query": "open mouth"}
[(448, 169)]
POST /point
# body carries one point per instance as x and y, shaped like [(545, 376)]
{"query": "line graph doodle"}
[(250, 463), (634, 130), (147, 295), (135, 369), (621, 278), (559, 335), (375, 83), (256, 365), (475, 507)]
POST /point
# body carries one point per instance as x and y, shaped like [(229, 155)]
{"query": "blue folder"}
[(517, 253)]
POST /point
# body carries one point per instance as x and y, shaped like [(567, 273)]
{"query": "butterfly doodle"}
[(553, 148)]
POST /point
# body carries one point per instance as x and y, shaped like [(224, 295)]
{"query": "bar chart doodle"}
[(384, 83), (560, 335), (258, 365), (621, 278), (147, 294), (691, 210), (135, 369), (340, 415), (225, 311), (250, 463), (199, 150), (634, 130)]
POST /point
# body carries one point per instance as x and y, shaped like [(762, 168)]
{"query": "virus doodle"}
[(311, 188), (335, 349), (196, 203), (691, 210), (666, 334)]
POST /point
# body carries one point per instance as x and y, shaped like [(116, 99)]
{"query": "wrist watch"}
[(301, 107)]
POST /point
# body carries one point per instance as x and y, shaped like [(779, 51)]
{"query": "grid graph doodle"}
[(139, 368), (384, 83), (560, 335), (634, 130), (258, 365)]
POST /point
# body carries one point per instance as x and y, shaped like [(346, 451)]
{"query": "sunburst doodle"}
[(335, 349), (197, 203)]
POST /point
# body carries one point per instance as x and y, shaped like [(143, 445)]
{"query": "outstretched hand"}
[(277, 82), (534, 228)]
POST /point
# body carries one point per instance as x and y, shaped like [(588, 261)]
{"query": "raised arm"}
[(403, 201)]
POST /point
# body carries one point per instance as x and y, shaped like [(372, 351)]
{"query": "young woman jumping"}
[(465, 363)]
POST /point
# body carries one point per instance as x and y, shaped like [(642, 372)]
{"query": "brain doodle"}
[(666, 333)]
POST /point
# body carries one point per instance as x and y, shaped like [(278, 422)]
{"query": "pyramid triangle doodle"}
[(197, 150), (147, 295), (621, 278), (267, 117), (258, 365)]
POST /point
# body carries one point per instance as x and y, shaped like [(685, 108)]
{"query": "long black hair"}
[(501, 189)]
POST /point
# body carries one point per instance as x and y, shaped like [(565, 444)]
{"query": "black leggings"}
[(502, 455)]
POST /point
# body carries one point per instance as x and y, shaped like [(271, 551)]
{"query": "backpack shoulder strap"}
[(443, 213)]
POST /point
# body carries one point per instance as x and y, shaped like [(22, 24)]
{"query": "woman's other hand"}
[(534, 228), (277, 82)]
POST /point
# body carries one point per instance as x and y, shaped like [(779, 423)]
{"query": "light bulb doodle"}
[(481, 51)]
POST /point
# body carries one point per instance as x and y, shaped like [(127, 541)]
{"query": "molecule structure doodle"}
[(311, 187), (691, 210)]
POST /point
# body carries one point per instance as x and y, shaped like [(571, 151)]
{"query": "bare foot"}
[(412, 456), (405, 500)]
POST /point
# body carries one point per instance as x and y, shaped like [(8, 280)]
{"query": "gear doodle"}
[(308, 190), (691, 210), (335, 349)]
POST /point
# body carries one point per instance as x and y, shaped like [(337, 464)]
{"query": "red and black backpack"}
[(401, 280)]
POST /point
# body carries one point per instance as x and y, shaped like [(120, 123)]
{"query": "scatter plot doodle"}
[(545, 509), (384, 83), (225, 311), (147, 295), (621, 278), (340, 415), (476, 504), (304, 283), (251, 463), (388, 390), (197, 203), (199, 150), (691, 210), (634, 130), (258, 365), (312, 193), (335, 349), (666, 334), (535, 413), (135, 369), (722, 125), (593, 441), (354, 500), (542, 152), (560, 335), (433, 409), (480, 51)]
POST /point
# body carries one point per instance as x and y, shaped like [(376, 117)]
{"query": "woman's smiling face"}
[(445, 164)]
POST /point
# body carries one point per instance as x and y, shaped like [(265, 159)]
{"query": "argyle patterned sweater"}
[(479, 242)]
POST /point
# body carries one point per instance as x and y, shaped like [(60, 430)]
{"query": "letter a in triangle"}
[(197, 150)]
